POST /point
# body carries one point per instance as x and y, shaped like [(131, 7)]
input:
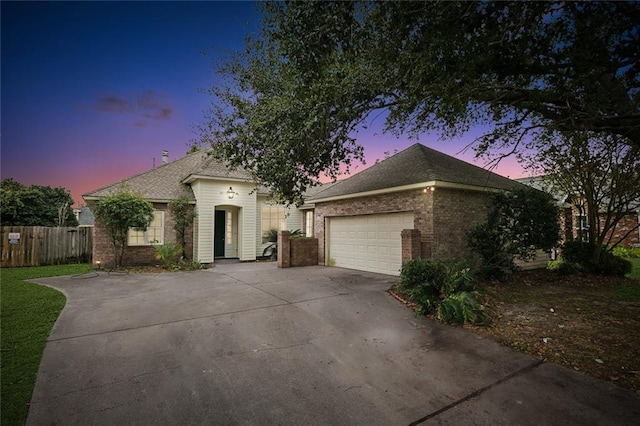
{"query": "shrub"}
[(168, 254), (629, 253), (610, 264), (189, 265), (562, 267), (441, 289), (578, 253), (579, 256)]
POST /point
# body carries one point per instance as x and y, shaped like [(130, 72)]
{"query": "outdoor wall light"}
[(231, 193), (98, 264), (429, 188)]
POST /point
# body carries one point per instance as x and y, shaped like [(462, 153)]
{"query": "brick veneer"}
[(442, 217), (294, 252), (619, 234), (136, 255), (628, 223)]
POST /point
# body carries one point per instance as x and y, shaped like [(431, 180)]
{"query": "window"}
[(153, 235), (582, 227), (272, 218), (229, 227), (308, 223)]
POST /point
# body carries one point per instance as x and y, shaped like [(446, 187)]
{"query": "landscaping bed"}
[(588, 323)]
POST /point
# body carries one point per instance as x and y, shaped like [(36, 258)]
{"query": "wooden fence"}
[(41, 245)]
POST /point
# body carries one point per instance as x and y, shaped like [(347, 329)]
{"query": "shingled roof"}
[(165, 183), (415, 165)]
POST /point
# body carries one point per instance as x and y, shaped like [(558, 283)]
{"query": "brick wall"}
[(304, 251), (442, 216), (294, 252), (628, 223), (414, 200), (454, 213), (136, 255)]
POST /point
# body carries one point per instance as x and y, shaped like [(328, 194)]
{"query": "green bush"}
[(444, 290), (578, 256), (561, 266), (168, 254), (578, 253), (610, 264), (629, 253)]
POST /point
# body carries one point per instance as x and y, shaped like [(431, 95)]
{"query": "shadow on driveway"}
[(249, 343)]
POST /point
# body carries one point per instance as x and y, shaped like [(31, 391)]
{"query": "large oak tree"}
[(292, 102)]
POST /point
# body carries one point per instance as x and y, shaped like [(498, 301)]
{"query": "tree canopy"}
[(35, 205), (598, 175), (292, 102)]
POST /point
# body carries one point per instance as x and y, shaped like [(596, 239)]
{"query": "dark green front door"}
[(218, 233)]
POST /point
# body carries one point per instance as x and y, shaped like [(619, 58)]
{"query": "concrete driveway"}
[(253, 344)]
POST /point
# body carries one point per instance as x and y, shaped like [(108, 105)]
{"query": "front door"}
[(218, 233)]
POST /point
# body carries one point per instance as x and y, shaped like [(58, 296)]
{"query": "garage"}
[(368, 242)]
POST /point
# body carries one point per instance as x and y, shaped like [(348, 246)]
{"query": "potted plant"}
[(272, 235)]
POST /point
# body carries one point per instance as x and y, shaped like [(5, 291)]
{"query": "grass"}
[(635, 272), (28, 312)]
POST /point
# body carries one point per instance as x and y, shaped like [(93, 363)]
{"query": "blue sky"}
[(92, 92)]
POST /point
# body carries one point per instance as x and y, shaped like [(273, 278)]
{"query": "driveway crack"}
[(478, 392)]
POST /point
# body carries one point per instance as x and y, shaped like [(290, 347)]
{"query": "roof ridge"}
[(153, 169)]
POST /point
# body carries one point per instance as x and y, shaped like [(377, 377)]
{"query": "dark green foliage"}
[(519, 222), (35, 205), (168, 254), (290, 105), (183, 213), (444, 290), (579, 257), (119, 212)]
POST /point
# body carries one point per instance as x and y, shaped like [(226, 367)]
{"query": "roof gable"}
[(165, 183), (417, 164)]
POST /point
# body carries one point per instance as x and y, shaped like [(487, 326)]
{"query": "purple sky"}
[(93, 91)]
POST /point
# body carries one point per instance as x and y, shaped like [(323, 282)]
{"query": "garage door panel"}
[(370, 243)]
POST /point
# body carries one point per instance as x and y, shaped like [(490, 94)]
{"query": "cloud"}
[(114, 103), (144, 107)]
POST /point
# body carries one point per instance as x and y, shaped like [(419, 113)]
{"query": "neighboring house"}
[(575, 222), (84, 216), (359, 221)]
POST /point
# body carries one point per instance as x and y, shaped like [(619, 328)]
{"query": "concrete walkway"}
[(252, 344)]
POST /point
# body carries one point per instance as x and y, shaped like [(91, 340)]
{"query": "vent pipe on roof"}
[(165, 156)]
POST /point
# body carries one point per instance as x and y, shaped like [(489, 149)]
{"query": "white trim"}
[(146, 237), (422, 185), (191, 178), (151, 200)]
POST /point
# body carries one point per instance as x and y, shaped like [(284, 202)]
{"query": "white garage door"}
[(368, 242)]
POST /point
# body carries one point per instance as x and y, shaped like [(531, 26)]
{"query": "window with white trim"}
[(308, 223), (582, 227), (272, 218), (153, 235)]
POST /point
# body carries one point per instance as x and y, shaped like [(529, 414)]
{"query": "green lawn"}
[(27, 314), (635, 272)]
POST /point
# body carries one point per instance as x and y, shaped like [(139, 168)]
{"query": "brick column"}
[(284, 249), (410, 244)]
